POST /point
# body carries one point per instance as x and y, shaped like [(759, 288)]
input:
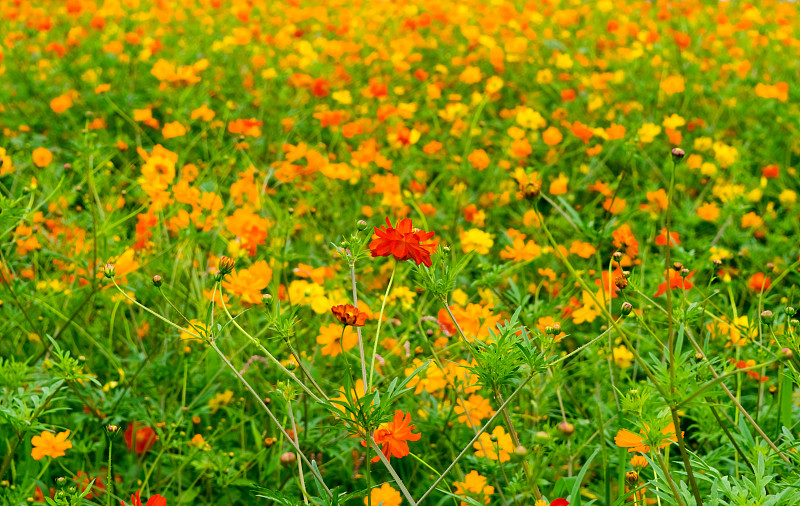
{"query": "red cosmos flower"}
[(559, 502), (139, 440), (394, 436), (403, 242), (675, 281), (349, 315), (759, 281), (155, 500)]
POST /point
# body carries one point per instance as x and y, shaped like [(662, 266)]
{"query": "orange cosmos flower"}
[(676, 280), (48, 444), (393, 437), (636, 443), (403, 243), (661, 239), (349, 315)]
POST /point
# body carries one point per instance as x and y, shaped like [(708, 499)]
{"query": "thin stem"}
[(276, 361), (391, 470), (358, 329), (297, 443), (668, 476), (469, 445), (378, 331), (272, 417)]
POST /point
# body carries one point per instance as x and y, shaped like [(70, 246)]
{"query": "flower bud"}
[(790, 311), (288, 459), (521, 450), (626, 308), (110, 271), (548, 330), (677, 266), (566, 429), (157, 281), (267, 299), (361, 225), (61, 481), (621, 282), (556, 328), (678, 154), (226, 265), (785, 354), (632, 477), (269, 442), (112, 429), (617, 256), (684, 272), (766, 316)]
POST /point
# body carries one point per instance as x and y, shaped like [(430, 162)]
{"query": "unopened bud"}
[(790, 311), (766, 316), (678, 153), (226, 265), (632, 477), (288, 459), (677, 266), (362, 225), (621, 282), (157, 280), (566, 429), (626, 308), (110, 271), (785, 354), (267, 299), (684, 272), (617, 256)]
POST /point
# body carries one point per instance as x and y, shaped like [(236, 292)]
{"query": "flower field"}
[(402, 252)]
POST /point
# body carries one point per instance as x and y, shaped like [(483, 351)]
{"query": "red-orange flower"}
[(139, 440), (394, 436), (349, 315), (403, 242), (759, 281), (676, 280), (155, 500)]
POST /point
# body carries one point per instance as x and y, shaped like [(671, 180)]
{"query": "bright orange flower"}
[(48, 444), (349, 315), (393, 437), (636, 442)]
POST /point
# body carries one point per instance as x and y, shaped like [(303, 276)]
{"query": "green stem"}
[(378, 332)]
